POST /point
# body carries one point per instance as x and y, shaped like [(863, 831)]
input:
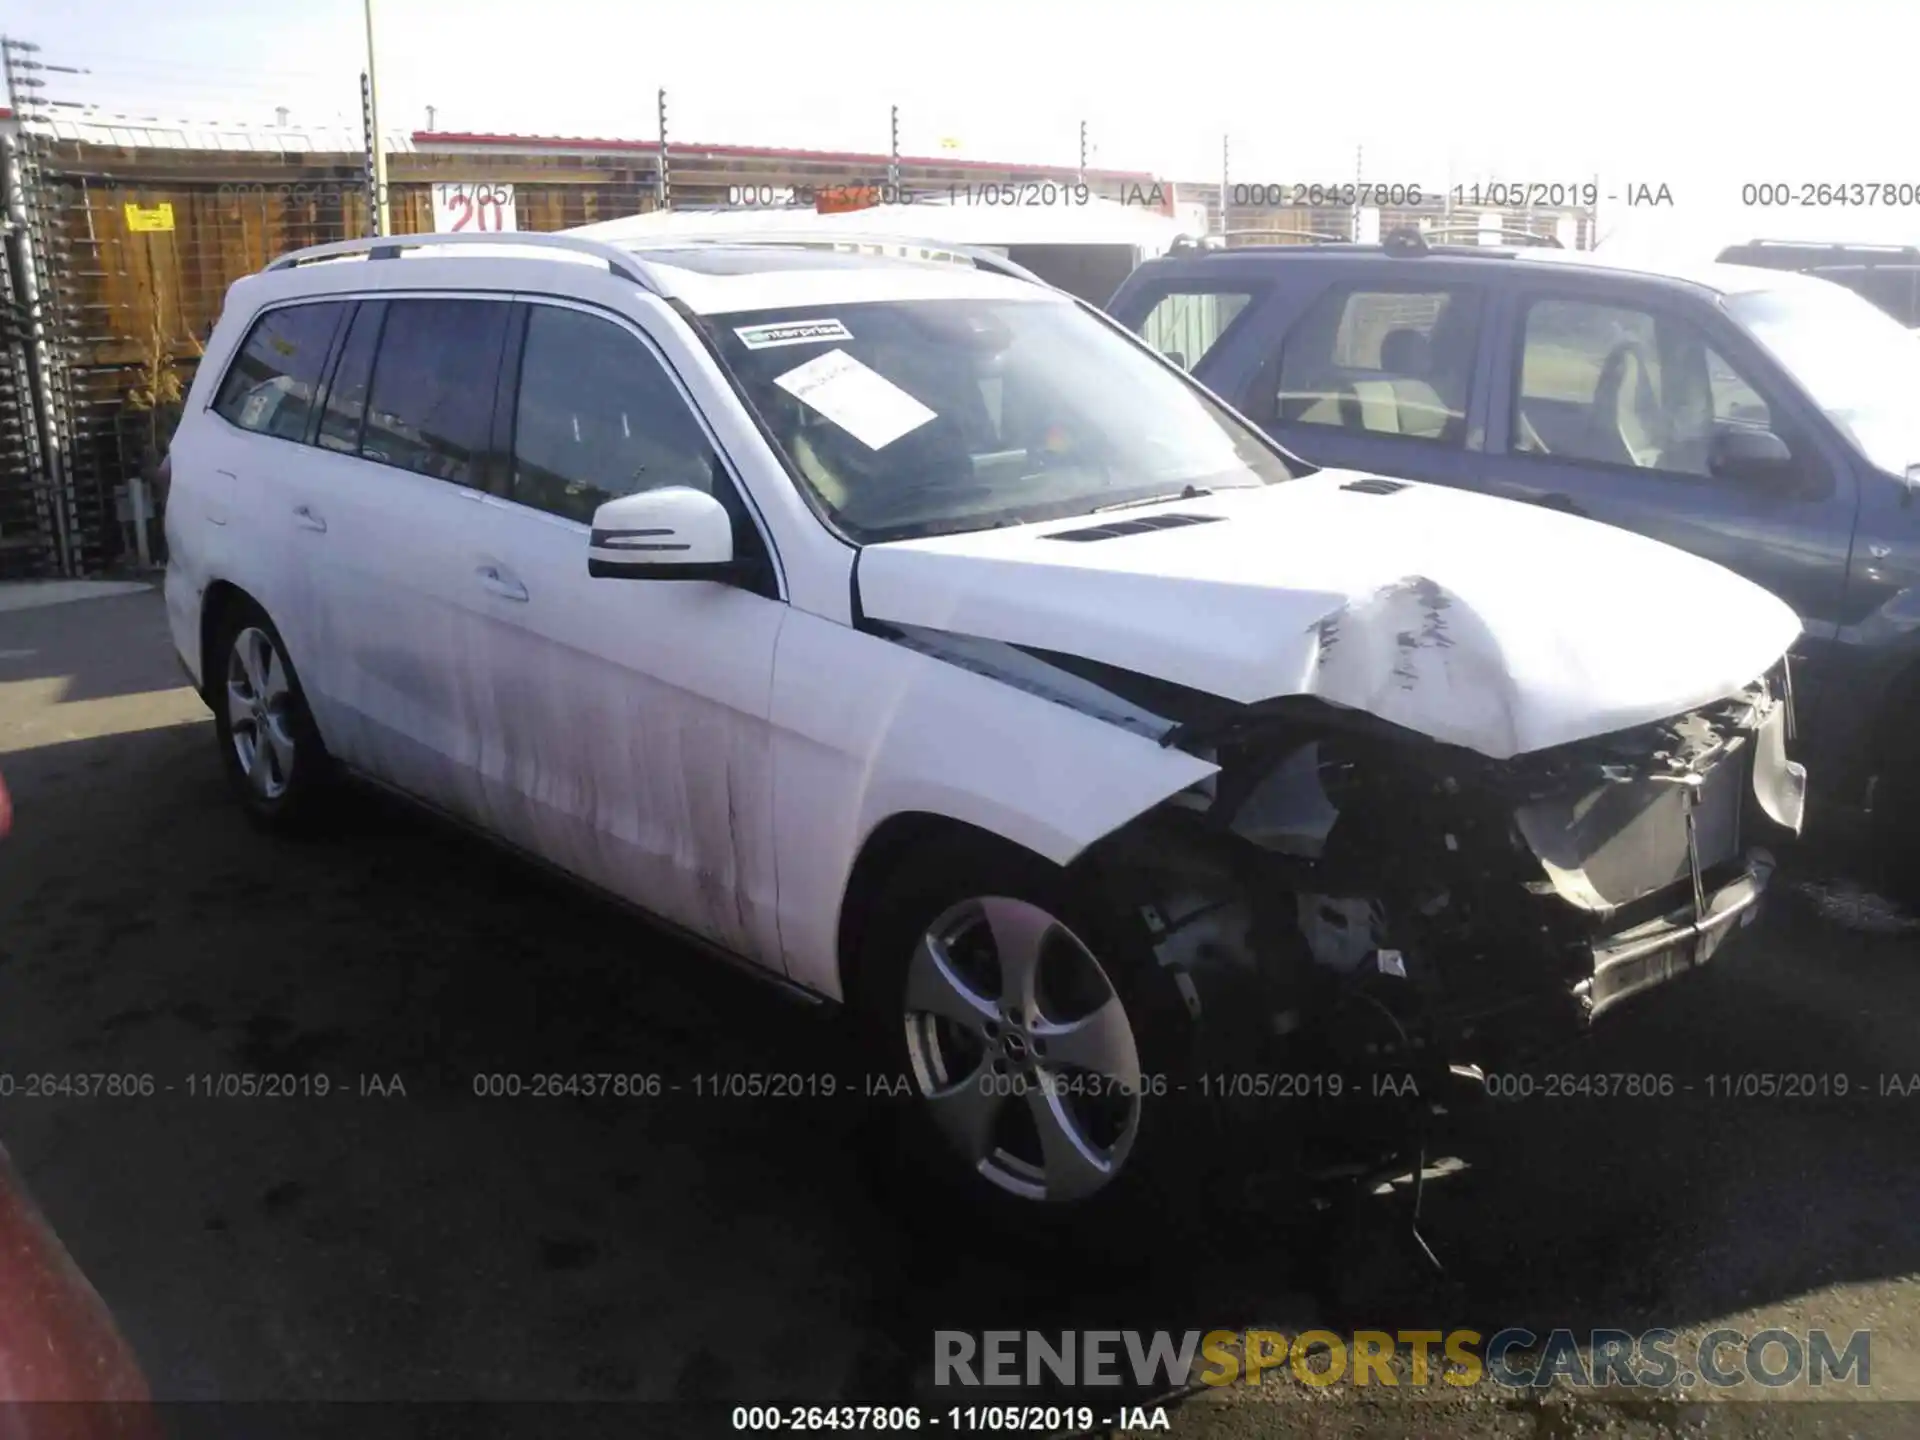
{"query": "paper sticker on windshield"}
[(862, 402), (793, 332)]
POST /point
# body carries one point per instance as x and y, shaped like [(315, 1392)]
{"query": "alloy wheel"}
[(1021, 1049), (259, 702)]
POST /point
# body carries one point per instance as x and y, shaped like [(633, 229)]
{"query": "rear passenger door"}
[(245, 469), (381, 525), (1379, 376), (624, 723)]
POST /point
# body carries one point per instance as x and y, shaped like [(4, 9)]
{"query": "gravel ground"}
[(402, 1238)]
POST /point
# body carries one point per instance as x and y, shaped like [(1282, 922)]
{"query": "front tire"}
[(272, 754), (1035, 1035)]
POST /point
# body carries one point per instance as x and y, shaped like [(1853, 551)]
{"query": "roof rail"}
[(1184, 244), (1867, 255), (1505, 232), (980, 257), (1827, 245), (389, 247), (1318, 237)]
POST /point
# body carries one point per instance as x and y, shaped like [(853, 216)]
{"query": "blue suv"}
[(1765, 420)]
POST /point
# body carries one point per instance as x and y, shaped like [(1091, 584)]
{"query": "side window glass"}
[(1184, 327), (1610, 385), (1382, 362), (1734, 400), (345, 406), (270, 386), (430, 405), (597, 417)]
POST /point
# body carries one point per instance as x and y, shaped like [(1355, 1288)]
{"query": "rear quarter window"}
[(269, 387)]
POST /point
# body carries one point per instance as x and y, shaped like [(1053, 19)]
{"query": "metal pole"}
[(24, 201), (367, 133), (663, 180), (384, 219), (1083, 152), (1359, 189), (1226, 169), (893, 157)]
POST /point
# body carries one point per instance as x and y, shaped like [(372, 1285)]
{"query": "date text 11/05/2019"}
[(201, 1085), (1008, 194), (962, 1419), (1223, 1085)]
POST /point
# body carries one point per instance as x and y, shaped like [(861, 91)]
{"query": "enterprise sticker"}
[(793, 332)]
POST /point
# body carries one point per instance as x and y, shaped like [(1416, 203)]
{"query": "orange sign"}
[(839, 199)]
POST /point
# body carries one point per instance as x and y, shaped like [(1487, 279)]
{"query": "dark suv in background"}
[(1767, 421), (1888, 275)]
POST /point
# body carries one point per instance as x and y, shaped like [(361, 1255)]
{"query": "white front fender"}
[(865, 729)]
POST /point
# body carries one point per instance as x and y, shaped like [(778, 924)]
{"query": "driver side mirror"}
[(672, 533), (1758, 456)]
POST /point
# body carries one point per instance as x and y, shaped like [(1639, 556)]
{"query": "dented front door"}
[(623, 724)]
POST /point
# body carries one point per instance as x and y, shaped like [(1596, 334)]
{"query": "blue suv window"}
[(1382, 362), (1185, 324), (1614, 385)]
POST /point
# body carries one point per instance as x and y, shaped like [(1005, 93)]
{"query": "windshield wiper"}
[(1192, 492)]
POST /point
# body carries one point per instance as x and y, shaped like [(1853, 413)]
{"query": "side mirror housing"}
[(1756, 455), (672, 533)]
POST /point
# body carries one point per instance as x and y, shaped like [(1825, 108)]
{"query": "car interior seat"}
[(1330, 401), (1624, 422), (1407, 358)]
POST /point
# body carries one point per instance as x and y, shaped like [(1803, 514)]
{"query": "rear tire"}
[(269, 747), (1032, 1046)]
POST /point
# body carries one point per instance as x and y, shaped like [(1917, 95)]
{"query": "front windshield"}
[(923, 417), (1859, 365)]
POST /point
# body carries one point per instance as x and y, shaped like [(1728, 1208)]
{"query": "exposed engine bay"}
[(1364, 903), (1326, 841)]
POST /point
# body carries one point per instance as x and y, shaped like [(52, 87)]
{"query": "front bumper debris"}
[(1673, 834), (1652, 953)]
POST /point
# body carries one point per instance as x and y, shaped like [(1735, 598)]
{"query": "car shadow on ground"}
[(431, 1238)]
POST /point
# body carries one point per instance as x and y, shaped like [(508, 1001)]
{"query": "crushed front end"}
[(1343, 894)]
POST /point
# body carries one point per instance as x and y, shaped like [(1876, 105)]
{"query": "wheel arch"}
[(219, 601), (887, 848)]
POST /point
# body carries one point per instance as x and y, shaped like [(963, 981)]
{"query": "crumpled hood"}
[(1481, 622)]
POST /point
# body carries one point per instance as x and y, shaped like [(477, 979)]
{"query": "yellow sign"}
[(148, 218)]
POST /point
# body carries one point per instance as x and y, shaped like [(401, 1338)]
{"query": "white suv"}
[(909, 631)]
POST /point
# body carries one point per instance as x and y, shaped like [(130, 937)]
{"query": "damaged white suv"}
[(908, 630)]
